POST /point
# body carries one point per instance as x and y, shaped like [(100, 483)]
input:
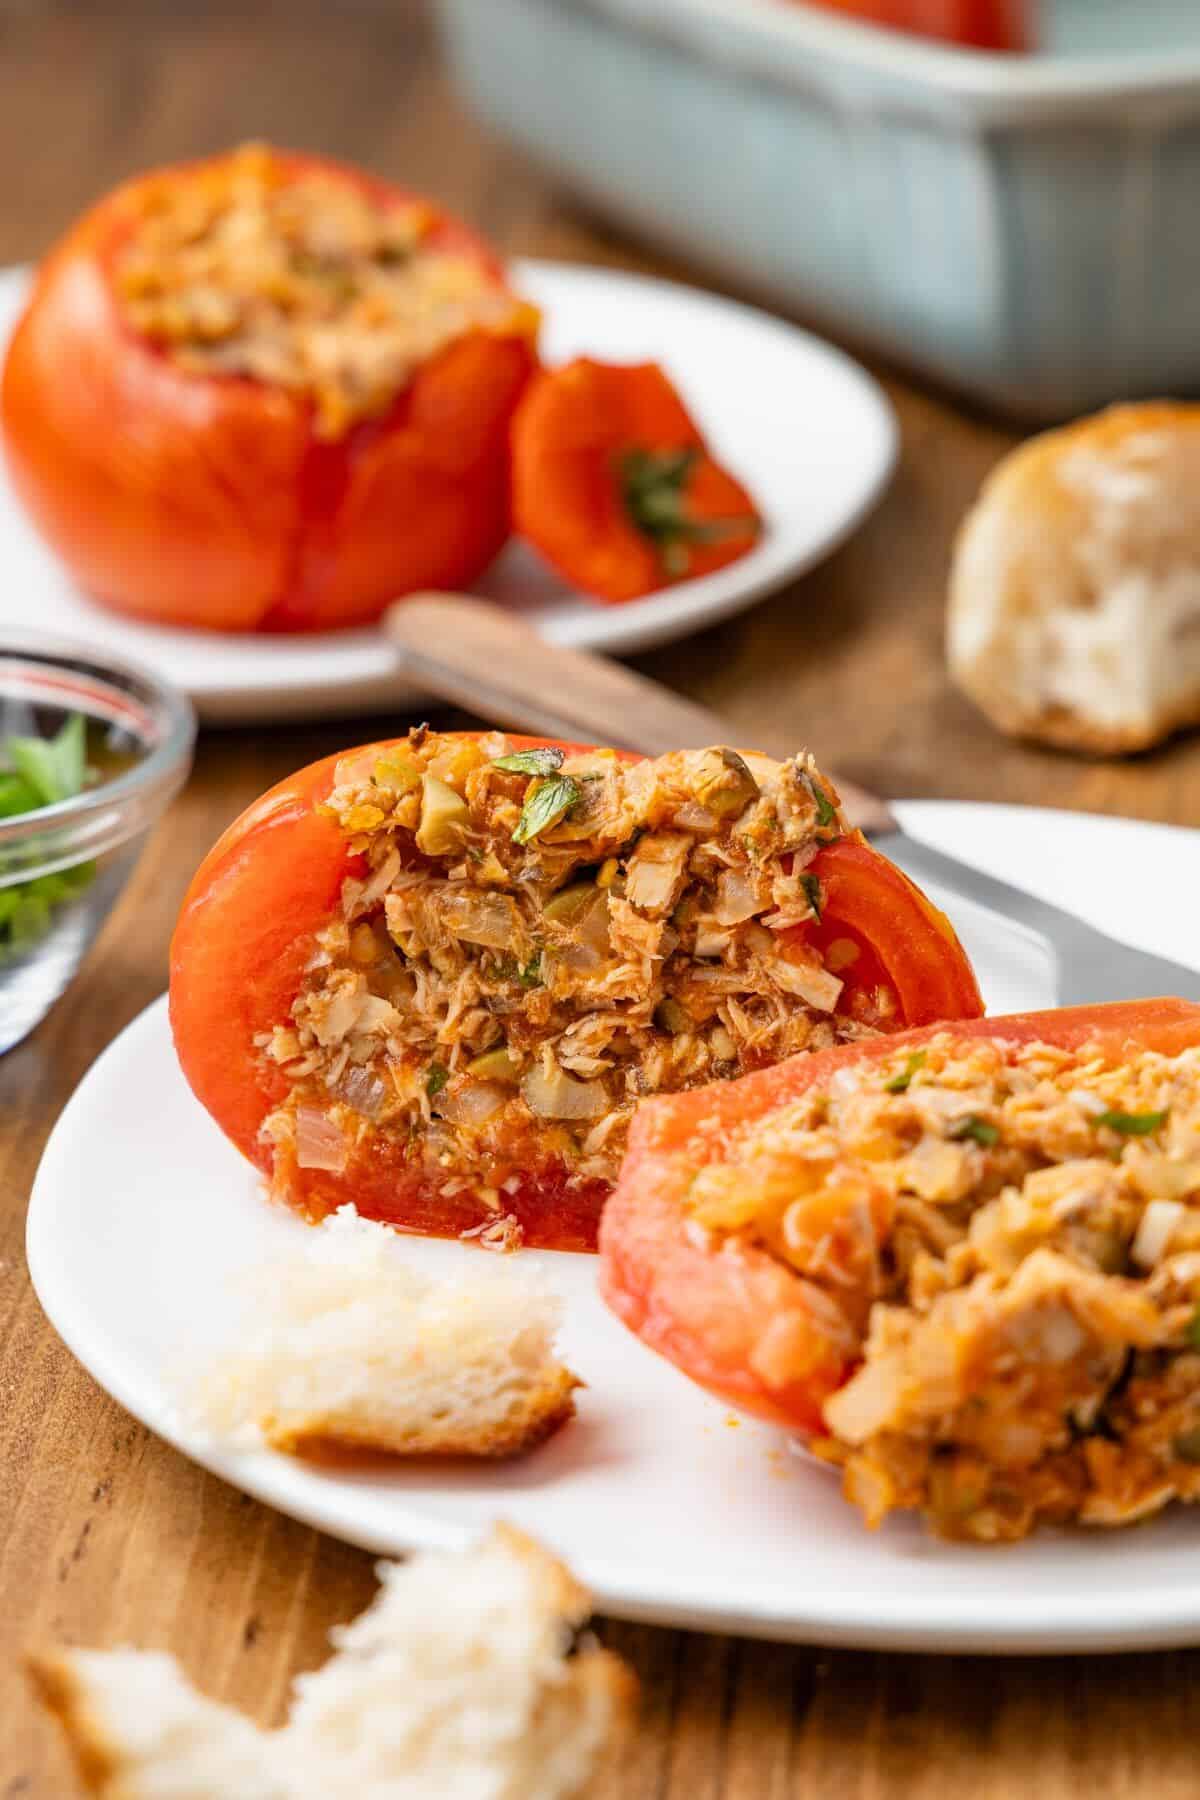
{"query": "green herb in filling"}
[(900, 1084), (980, 1131), (1132, 1124), (812, 889), (436, 1078), (546, 803), (826, 810), (542, 761)]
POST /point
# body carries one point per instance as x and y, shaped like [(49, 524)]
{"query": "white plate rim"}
[(1101, 1618)]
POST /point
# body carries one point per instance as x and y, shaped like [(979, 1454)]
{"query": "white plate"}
[(811, 434), (670, 1509)]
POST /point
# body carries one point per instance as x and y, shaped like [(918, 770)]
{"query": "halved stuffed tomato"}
[(435, 977), (266, 392), (756, 1225)]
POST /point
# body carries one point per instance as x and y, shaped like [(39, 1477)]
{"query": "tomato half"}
[(209, 501), (246, 934), (734, 1319)]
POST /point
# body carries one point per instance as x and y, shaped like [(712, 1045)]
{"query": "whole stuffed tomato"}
[(266, 392)]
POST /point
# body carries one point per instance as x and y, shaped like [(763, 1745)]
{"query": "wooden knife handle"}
[(488, 660)]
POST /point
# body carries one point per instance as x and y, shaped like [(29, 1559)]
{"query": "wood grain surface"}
[(106, 1535)]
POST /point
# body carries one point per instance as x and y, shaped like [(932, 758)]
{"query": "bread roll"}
[(1075, 591), (348, 1346), (463, 1680)]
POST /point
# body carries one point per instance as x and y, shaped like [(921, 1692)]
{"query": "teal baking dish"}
[(1022, 228)]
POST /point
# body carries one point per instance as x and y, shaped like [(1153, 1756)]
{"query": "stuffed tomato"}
[(964, 1262), (434, 977), (266, 392)]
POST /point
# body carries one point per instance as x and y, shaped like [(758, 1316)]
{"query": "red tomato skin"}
[(707, 1310), (914, 941), (208, 502)]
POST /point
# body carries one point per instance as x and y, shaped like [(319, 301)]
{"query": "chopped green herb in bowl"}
[(92, 750), (34, 773)]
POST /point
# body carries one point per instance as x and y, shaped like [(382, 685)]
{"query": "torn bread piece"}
[(464, 1680), (350, 1347), (1075, 593)]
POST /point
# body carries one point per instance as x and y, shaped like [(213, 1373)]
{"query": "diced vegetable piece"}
[(444, 818), (738, 897), (568, 906), (319, 1143), (724, 783), (397, 771), (495, 1065), (470, 1103), (560, 1096), (671, 1016), (481, 918)]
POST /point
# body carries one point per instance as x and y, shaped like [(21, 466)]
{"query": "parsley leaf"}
[(812, 889), (826, 810), (436, 1078), (542, 761), (545, 805)]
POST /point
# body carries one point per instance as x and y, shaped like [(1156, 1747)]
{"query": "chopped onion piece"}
[(694, 817), (489, 919), (1155, 1232), (319, 1143), (737, 897), (470, 1102), (361, 1090)]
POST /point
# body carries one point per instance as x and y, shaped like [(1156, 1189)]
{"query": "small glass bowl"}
[(63, 866)]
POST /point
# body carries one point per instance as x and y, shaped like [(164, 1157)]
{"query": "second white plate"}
[(809, 432), (143, 1217)]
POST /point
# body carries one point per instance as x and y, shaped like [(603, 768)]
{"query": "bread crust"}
[(542, 1412), (1032, 552), (58, 1687)]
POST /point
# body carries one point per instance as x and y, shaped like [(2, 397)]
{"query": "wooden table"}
[(108, 1536)]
